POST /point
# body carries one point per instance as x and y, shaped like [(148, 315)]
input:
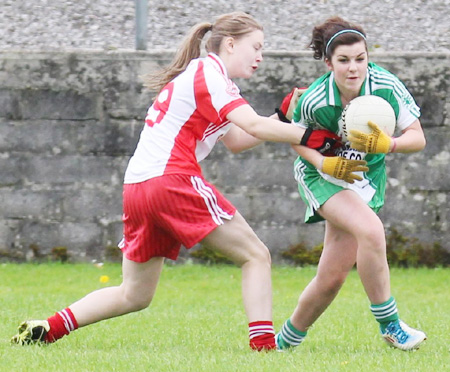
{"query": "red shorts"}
[(164, 212)]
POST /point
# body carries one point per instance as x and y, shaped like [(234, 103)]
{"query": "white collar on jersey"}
[(219, 63)]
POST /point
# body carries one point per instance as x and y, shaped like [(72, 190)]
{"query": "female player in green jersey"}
[(353, 231)]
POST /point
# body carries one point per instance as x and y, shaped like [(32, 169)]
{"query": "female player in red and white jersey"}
[(166, 200)]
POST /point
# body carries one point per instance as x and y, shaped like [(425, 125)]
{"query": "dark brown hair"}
[(322, 34)]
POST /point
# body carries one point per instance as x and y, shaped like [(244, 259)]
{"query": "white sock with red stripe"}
[(61, 324), (262, 335)]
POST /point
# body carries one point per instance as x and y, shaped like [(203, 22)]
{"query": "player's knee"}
[(257, 255), (140, 302), (377, 241), (373, 235), (263, 255), (331, 284), (136, 300)]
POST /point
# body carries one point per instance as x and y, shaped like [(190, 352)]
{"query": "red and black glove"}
[(322, 140), (288, 104)]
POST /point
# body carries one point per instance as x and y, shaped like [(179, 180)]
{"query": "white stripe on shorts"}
[(210, 199), (299, 175)]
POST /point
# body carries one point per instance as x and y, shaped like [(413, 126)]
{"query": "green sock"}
[(289, 336), (385, 313)]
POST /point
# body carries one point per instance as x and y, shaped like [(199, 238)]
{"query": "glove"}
[(344, 169), (372, 143), (288, 104), (322, 140)]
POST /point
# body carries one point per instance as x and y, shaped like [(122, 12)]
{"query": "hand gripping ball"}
[(363, 109)]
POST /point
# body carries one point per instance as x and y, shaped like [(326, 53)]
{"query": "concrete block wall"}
[(69, 123)]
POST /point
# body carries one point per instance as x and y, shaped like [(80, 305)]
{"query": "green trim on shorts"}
[(315, 190)]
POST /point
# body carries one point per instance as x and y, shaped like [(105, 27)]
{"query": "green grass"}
[(197, 323)]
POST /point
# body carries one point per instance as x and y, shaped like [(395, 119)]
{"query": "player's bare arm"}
[(238, 140), (264, 128), (412, 139)]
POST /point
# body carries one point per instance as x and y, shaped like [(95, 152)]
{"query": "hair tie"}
[(340, 33)]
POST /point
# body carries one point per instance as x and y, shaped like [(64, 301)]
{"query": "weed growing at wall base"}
[(402, 251), (197, 322)]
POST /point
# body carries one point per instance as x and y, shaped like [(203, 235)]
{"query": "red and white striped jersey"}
[(185, 121)]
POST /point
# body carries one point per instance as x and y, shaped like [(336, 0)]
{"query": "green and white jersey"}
[(320, 107)]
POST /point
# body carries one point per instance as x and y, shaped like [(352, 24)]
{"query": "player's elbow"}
[(424, 143), (420, 144), (235, 148)]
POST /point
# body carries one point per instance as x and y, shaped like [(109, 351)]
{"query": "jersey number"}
[(158, 110)]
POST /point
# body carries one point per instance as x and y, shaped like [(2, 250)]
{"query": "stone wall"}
[(70, 121)]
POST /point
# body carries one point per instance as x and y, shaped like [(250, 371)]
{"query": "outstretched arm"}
[(264, 128), (269, 129)]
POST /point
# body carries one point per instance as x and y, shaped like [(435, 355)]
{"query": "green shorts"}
[(315, 190)]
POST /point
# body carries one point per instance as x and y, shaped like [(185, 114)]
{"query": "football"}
[(362, 109)]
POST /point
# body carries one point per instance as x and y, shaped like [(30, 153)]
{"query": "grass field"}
[(197, 323)]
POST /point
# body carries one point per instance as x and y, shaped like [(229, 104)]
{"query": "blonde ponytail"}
[(236, 25), (189, 49)]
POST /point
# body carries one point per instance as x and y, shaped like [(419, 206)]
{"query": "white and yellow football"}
[(363, 109)]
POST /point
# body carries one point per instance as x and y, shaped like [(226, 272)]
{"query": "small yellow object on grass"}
[(104, 279)]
